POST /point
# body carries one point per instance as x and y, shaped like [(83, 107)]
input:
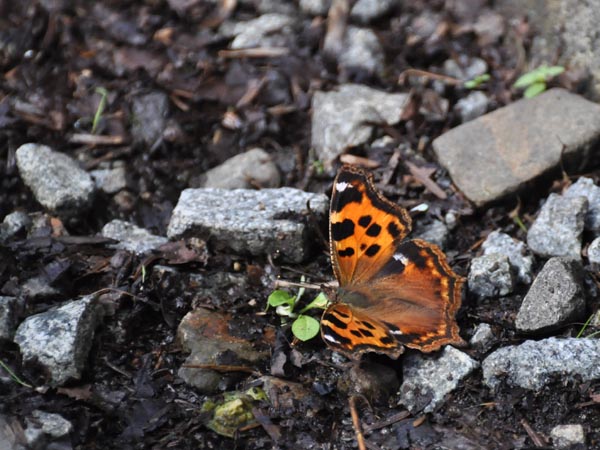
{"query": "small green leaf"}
[(279, 297), (319, 302), (285, 311), (534, 89), (477, 81), (529, 78), (305, 327), (100, 110), (552, 71)]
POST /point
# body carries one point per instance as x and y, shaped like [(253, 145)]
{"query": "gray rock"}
[(491, 276), (150, 113), (362, 50), (427, 380), (43, 427), (366, 11), (558, 227), (472, 106), (14, 223), (205, 335), (513, 145), (465, 68), (555, 297), (315, 7), (248, 222), (12, 434), (451, 218), (566, 436), (111, 179), (38, 288), (254, 168), (585, 187), (344, 118), (268, 30), (515, 250), (533, 364), (60, 339), (8, 317), (55, 179), (594, 251), (131, 237), (482, 338), (272, 6), (436, 232)]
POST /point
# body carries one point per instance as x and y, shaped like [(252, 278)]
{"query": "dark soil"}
[(130, 395)]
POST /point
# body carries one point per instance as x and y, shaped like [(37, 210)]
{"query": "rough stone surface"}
[(557, 229), (515, 144), (585, 187), (555, 297), (472, 106), (12, 434), (42, 427), (594, 251), (565, 436), (111, 179), (436, 232), (515, 250), (13, 224), (427, 380), (131, 237), (365, 11), (491, 276), (343, 118), (8, 317), (248, 222), (254, 168), (150, 113), (465, 68), (482, 338), (361, 49), (59, 339), (268, 30), (55, 179), (315, 7), (205, 335), (533, 364), (38, 288)]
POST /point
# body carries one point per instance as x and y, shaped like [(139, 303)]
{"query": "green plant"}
[(534, 82), (100, 110), (477, 81), (304, 327), (14, 375)]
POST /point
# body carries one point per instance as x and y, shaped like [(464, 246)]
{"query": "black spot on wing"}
[(364, 221), (346, 252), (414, 254), (356, 333), (335, 321), (342, 230), (373, 250), (393, 230), (363, 246), (392, 267), (343, 341), (368, 325), (366, 333), (374, 230), (386, 340), (347, 196)]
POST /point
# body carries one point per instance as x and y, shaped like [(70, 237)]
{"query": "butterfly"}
[(393, 292)]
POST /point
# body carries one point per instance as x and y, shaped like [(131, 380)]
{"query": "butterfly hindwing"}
[(363, 226)]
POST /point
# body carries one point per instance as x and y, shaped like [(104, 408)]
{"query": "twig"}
[(360, 439), (424, 74), (286, 284), (537, 439), (94, 139), (257, 52), (387, 422)]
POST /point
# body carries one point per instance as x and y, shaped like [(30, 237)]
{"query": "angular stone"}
[(491, 276), (150, 113), (248, 222), (110, 179), (496, 154), (555, 298), (43, 427), (8, 317), (361, 50), (427, 380), (594, 251), (585, 187), (131, 237), (55, 179), (557, 229), (60, 339), (344, 118), (533, 364), (365, 11), (482, 338), (566, 436), (267, 30), (515, 250)]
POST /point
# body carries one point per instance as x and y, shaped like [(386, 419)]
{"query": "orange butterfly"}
[(392, 292)]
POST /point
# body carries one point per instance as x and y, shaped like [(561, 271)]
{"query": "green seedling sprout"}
[(534, 82), (100, 110), (477, 81), (14, 375)]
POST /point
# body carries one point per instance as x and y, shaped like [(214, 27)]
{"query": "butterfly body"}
[(393, 292)]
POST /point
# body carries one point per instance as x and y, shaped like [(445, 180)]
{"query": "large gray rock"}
[(585, 187), (251, 169), (515, 250), (43, 427), (248, 222), (60, 339), (427, 380), (131, 237), (13, 224), (557, 229), (533, 364), (55, 179), (555, 298), (345, 118), (496, 154)]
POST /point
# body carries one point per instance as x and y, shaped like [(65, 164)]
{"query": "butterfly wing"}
[(364, 225)]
